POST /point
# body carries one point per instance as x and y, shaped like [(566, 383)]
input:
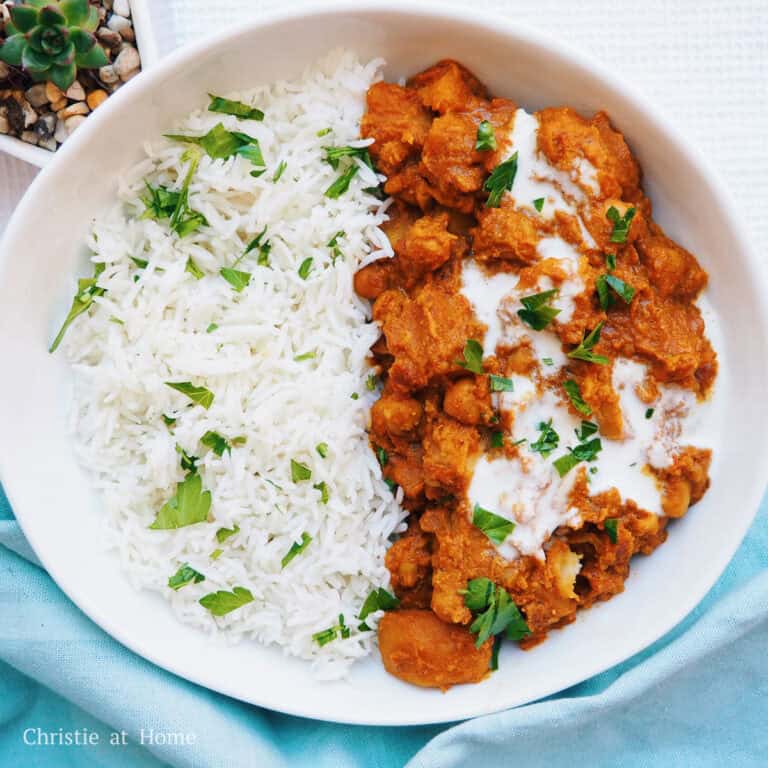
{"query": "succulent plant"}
[(50, 40)]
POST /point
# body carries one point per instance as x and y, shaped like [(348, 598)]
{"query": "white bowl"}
[(43, 252)]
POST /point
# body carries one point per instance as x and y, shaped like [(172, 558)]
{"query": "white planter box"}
[(147, 46)]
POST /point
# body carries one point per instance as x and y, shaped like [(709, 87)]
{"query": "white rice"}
[(283, 407)]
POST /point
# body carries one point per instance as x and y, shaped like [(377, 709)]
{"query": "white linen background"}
[(704, 62)]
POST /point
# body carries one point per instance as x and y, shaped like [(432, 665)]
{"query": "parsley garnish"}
[(548, 439), (341, 185), (193, 269), (378, 600), (236, 108), (486, 138), (574, 393), (216, 554), (220, 144), (188, 463), (333, 244), (547, 361), (587, 429), (538, 203), (500, 181), (495, 527), (473, 357), (382, 456), (649, 412), (185, 575), (339, 630), (625, 291), (583, 452), (305, 268), (87, 291), (140, 263), (612, 529), (168, 421), (305, 356), (299, 471), (538, 314), (501, 384), (211, 328), (620, 223), (324, 492), (497, 439), (584, 350), (216, 442), (225, 533), (323, 132), (238, 279), (264, 246), (610, 261), (322, 449), (296, 549), (354, 396), (370, 382), (495, 612), (184, 221), (199, 395), (280, 171), (221, 603), (189, 505), (334, 154), (160, 203)]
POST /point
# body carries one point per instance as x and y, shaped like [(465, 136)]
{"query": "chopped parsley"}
[(333, 155), (221, 603), (612, 529), (324, 492), (604, 282), (391, 484), (199, 395), (211, 328), (183, 220), (333, 244), (370, 382), (497, 439), (574, 393), (649, 412), (548, 439), (305, 356), (305, 268), (327, 635), (538, 203), (584, 350), (225, 533), (238, 279), (185, 575), (486, 138), (323, 132), (159, 203), (140, 263), (378, 600), (299, 471), (189, 505), (495, 527), (355, 396), (473, 357), (322, 449), (188, 462), (537, 312), (216, 442), (500, 181), (296, 549), (547, 361), (193, 269), (495, 612), (587, 429), (501, 384), (610, 261), (220, 144), (216, 554), (236, 108), (341, 185), (264, 247), (169, 421), (87, 291), (382, 456), (582, 452), (280, 171), (620, 223)]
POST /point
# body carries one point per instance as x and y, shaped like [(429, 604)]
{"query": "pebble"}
[(108, 75), (97, 98), (37, 95), (73, 123), (61, 132), (113, 40), (127, 63), (30, 137), (5, 70), (79, 108), (49, 144), (116, 23), (5, 14), (76, 92), (46, 126), (121, 7), (30, 116), (56, 106), (128, 35), (53, 93), (4, 127)]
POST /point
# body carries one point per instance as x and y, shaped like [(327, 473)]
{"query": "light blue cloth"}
[(699, 697)]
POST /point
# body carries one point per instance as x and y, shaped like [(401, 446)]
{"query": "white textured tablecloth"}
[(705, 63)]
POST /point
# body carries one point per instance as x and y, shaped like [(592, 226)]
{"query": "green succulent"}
[(50, 40)]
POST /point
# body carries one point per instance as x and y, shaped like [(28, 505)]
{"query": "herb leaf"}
[(500, 181), (299, 471), (574, 393), (610, 261), (612, 529), (305, 268), (537, 312), (296, 549), (621, 223), (87, 291), (193, 269), (341, 185), (649, 412), (327, 635), (334, 154), (478, 594), (199, 395), (495, 612), (282, 165), (548, 439), (495, 527), (497, 439), (473, 357), (216, 442), (185, 575), (333, 244), (486, 138), (221, 603), (236, 108), (584, 350), (583, 452), (189, 505), (225, 533), (324, 493), (378, 600), (501, 384), (238, 279), (538, 203), (220, 144), (623, 289), (322, 449)]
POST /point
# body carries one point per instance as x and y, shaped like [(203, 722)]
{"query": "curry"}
[(530, 292)]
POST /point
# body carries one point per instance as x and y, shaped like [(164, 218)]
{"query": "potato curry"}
[(542, 353)]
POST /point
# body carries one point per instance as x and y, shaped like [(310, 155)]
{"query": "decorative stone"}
[(121, 7), (57, 106), (5, 70), (37, 95), (73, 123), (80, 108), (4, 127), (46, 126), (30, 116), (76, 92), (112, 40), (127, 63), (97, 98), (108, 75), (61, 132), (116, 23), (128, 35), (49, 144), (30, 137), (53, 93)]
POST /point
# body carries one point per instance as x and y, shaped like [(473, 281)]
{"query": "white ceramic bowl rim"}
[(420, 14)]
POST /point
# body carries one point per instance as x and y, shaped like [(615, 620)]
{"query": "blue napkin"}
[(698, 697)]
